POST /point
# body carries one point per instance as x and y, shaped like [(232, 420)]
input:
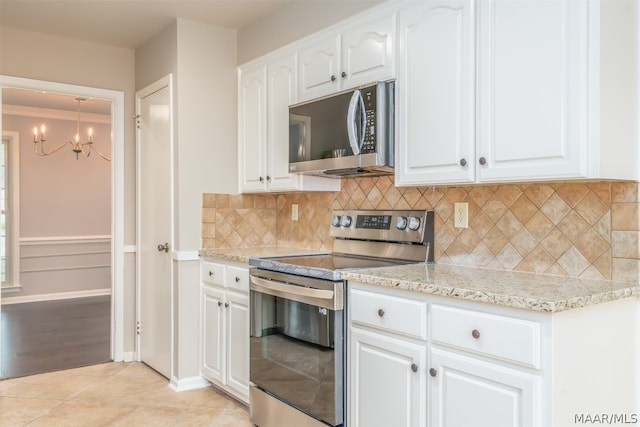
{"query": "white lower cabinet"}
[(424, 360), (465, 391), (225, 327), (387, 386)]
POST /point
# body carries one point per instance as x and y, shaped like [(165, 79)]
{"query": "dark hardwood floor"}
[(52, 335)]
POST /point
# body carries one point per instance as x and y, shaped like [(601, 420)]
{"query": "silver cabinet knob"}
[(414, 367), (237, 279), (226, 305), (219, 303), (433, 372), (482, 161), (344, 74), (261, 179), (268, 178), (333, 78), (475, 333), (380, 312), (463, 162), (163, 247), (211, 273)]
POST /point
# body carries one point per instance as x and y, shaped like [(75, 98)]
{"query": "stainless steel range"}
[(298, 316)]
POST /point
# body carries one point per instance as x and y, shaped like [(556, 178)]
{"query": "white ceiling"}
[(128, 23), (120, 23)]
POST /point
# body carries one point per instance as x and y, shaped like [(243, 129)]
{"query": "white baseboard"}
[(55, 296), (188, 383)]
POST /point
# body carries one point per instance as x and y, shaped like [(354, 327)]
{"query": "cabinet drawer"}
[(391, 313), (213, 273), (502, 337), (238, 278)]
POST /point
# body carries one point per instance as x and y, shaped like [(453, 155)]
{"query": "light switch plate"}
[(461, 215)]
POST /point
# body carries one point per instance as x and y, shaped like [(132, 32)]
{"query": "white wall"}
[(59, 195)]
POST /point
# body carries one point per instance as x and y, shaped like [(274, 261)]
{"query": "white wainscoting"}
[(63, 267)]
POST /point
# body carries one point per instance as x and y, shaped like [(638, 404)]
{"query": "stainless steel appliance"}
[(298, 315), (351, 133)]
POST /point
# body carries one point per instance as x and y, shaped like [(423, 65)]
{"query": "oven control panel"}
[(413, 226)]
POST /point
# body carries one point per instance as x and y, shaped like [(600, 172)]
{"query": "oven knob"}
[(414, 223), (401, 223), (345, 221), (335, 220)]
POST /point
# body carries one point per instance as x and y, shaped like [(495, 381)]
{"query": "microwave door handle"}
[(352, 131)]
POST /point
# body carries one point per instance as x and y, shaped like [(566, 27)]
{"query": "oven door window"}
[(293, 354)]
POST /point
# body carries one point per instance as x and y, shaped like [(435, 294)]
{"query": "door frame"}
[(166, 81), (117, 189)]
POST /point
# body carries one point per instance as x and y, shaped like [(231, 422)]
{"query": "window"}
[(9, 217)]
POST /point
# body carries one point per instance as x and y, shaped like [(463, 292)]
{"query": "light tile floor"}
[(113, 394)]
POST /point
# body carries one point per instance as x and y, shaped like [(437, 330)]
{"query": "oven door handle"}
[(293, 292)]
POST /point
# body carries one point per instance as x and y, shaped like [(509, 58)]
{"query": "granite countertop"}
[(242, 255), (539, 292)]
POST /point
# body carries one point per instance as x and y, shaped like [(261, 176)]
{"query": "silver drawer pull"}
[(433, 372), (380, 312), (414, 367), (475, 334)]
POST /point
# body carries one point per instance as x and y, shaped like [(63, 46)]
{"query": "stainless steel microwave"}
[(347, 134)]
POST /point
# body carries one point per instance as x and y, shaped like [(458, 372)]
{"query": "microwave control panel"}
[(369, 98)]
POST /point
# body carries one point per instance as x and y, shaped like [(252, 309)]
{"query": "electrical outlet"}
[(294, 212), (461, 215)]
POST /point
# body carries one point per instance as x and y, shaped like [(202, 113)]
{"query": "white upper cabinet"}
[(533, 83), (505, 92), (319, 67), (265, 91), (282, 92), (435, 93), (252, 128), (362, 52)]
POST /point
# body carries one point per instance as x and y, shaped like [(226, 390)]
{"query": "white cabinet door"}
[(436, 93), (368, 52), (387, 381), (252, 129), (318, 68), (237, 312), (213, 336), (469, 392), (282, 90), (533, 74)]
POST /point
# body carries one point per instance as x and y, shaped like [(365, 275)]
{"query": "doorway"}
[(116, 194)]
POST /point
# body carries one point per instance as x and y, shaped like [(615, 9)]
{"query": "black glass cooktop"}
[(325, 266)]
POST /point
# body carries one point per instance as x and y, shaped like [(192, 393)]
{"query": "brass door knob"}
[(163, 247)]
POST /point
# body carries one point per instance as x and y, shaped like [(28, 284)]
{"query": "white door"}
[(387, 381), (252, 129), (282, 92), (154, 224), (237, 312), (466, 391), (368, 52), (435, 91), (213, 335), (318, 68), (533, 77)]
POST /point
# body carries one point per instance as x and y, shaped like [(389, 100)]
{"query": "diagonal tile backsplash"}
[(589, 230)]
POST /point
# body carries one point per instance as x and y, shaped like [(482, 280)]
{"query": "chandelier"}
[(78, 147)]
